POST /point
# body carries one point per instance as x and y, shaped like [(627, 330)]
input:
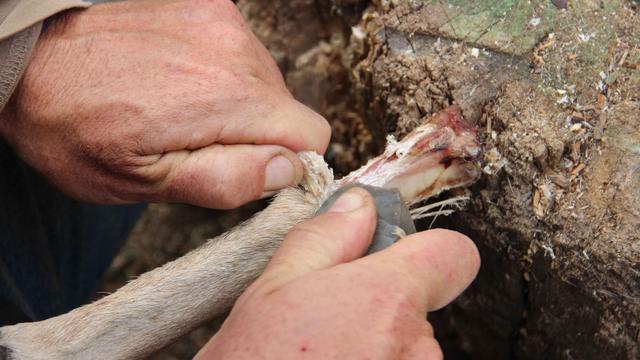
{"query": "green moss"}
[(503, 25)]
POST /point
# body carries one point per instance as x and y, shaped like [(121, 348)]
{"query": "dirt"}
[(556, 94)]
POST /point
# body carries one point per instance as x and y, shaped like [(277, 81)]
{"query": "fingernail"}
[(280, 173), (349, 201)]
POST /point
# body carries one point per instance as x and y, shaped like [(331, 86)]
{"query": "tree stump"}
[(554, 87)]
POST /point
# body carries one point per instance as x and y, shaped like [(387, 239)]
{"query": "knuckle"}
[(241, 85), (259, 77)]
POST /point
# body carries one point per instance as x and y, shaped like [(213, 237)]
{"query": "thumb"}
[(228, 176), (340, 235)]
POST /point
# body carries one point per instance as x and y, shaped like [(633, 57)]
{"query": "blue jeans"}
[(54, 250)]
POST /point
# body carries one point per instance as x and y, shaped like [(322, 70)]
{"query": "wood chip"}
[(576, 116), (537, 58), (540, 154), (575, 151), (602, 101), (623, 58), (576, 170), (538, 209), (559, 180), (551, 39)]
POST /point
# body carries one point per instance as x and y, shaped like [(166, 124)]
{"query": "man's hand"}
[(317, 299), (159, 101)]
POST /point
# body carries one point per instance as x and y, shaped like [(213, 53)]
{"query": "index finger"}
[(266, 116), (285, 122), (433, 267)]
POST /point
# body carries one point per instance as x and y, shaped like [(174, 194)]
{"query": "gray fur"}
[(158, 307), (5, 352)]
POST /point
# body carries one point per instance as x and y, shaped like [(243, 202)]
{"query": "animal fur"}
[(153, 310)]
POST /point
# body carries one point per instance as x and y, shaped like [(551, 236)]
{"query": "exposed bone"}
[(437, 156)]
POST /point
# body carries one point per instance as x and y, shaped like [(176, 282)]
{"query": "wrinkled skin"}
[(159, 101), (318, 300)]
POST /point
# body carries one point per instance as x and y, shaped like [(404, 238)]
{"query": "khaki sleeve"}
[(20, 26)]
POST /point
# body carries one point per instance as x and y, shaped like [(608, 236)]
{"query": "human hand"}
[(317, 299), (159, 101)]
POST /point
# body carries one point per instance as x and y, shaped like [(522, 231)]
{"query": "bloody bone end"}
[(436, 156)]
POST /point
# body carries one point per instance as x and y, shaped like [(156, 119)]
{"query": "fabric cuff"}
[(15, 52)]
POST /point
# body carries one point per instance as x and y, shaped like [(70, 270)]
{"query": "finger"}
[(268, 116), (228, 176), (280, 120), (340, 235), (432, 267)]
